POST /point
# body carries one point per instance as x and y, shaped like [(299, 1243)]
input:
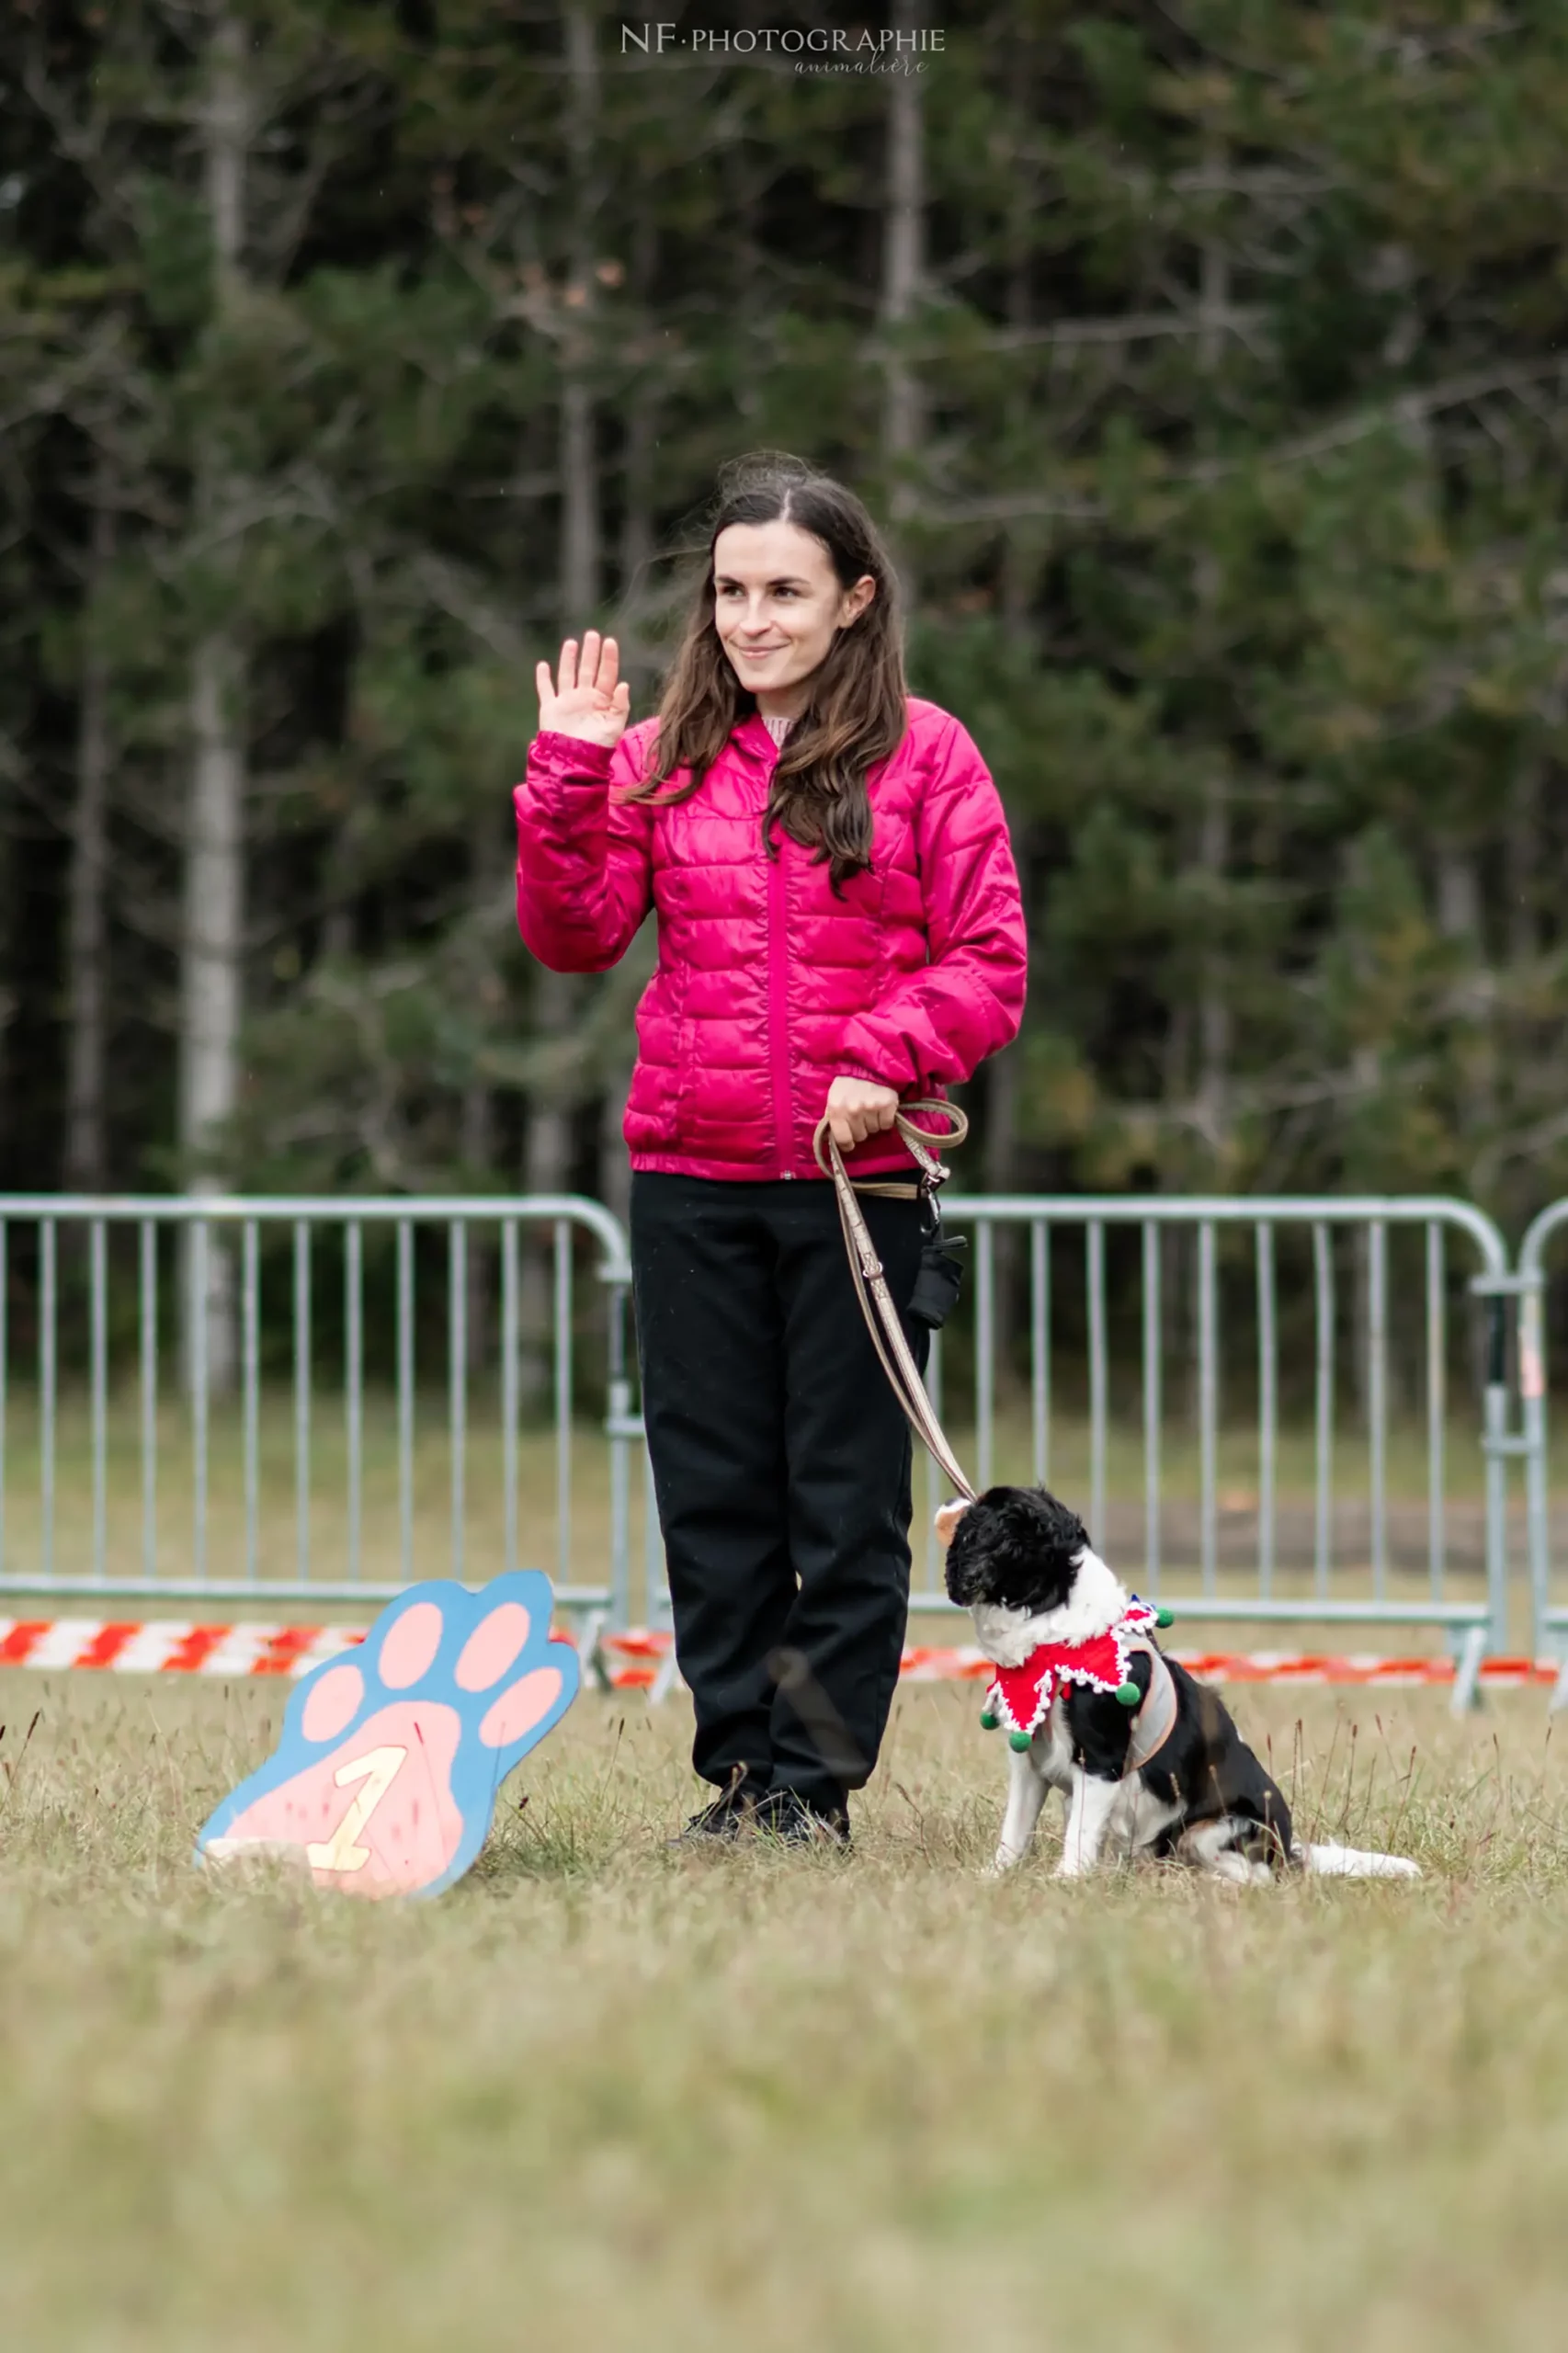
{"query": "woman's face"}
[(778, 605)]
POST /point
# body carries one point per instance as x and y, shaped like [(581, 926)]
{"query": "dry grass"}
[(605, 2096)]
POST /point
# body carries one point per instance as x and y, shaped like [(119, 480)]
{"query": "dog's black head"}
[(1018, 1547)]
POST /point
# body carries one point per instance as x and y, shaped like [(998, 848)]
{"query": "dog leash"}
[(882, 1319), (1154, 1719)]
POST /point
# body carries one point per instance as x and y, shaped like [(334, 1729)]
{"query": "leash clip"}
[(934, 1172)]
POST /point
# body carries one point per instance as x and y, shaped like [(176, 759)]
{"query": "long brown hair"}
[(857, 710)]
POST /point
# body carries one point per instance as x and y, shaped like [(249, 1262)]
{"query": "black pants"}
[(781, 1466)]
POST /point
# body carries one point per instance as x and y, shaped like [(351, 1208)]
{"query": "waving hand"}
[(586, 698)]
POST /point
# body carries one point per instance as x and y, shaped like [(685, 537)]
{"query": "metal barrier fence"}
[(1549, 1618), (104, 1268), (409, 1278), (1265, 1591)]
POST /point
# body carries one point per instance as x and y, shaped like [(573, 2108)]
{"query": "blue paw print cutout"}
[(387, 1767)]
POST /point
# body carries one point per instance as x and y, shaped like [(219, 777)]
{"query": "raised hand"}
[(585, 699)]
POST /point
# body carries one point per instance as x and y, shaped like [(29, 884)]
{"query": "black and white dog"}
[(1166, 1774)]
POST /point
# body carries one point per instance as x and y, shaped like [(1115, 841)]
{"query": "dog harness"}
[(1021, 1698)]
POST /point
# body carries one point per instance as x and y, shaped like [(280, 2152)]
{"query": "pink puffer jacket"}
[(769, 986)]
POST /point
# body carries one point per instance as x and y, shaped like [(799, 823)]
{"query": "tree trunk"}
[(547, 1149), (641, 440), (1214, 1003), (1521, 833), (903, 266), (1520, 861), (579, 506), (580, 551), (1214, 832), (999, 1175), (86, 1158), (1459, 920), (211, 958), (1021, 546), (476, 1142), (637, 523), (212, 939), (1211, 1101), (476, 1115)]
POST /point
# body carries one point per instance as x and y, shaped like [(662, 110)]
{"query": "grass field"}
[(608, 2096)]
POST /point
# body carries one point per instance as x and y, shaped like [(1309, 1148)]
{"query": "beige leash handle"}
[(926, 1147), (882, 1319)]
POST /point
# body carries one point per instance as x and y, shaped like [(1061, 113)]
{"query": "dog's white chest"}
[(1051, 1755)]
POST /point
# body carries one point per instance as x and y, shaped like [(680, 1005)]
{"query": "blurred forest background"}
[(1206, 360)]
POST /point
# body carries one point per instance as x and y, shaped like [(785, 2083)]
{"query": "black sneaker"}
[(786, 1815), (729, 1817)]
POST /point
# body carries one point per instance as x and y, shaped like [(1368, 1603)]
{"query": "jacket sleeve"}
[(584, 864), (941, 1022)]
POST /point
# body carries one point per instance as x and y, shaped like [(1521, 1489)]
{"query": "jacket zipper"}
[(779, 1010)]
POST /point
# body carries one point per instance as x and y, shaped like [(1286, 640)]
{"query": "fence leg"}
[(665, 1682), (1467, 1671), (616, 1421), (1532, 1397), (591, 1650), (1495, 1441)]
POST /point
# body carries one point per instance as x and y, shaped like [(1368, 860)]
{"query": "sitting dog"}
[(1150, 1761)]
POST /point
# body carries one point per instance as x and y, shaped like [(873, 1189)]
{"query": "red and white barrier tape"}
[(632, 1660), (641, 1654), (162, 1646)]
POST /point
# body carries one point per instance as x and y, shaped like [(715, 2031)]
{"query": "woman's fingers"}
[(592, 669), (856, 1109), (588, 699), (601, 664)]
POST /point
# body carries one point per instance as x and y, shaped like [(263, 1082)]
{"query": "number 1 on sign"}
[(378, 1769)]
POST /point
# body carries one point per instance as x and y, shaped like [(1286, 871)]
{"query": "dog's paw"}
[(386, 1774)]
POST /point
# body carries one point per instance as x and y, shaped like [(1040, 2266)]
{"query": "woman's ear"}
[(855, 601), (948, 1519)]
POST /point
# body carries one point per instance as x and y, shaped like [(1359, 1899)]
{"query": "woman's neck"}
[(786, 703)]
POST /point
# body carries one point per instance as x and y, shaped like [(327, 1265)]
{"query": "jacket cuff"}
[(864, 1071), (564, 752)]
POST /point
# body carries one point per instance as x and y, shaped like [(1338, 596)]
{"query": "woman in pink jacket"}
[(839, 926)]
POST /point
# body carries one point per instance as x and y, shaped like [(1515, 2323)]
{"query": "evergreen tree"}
[(1205, 366)]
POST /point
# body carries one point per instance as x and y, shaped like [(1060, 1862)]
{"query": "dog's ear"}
[(948, 1519)]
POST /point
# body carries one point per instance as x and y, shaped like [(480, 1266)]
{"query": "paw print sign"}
[(386, 1773)]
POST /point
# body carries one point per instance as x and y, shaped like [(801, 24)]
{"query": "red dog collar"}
[(1021, 1697)]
